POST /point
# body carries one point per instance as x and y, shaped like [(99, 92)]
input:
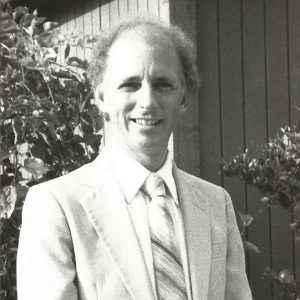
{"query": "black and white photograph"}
[(150, 150)]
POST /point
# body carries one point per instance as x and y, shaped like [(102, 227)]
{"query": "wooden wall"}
[(250, 64), (249, 59)]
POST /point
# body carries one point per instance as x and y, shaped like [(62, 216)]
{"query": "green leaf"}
[(8, 197), (3, 153), (80, 43), (64, 74), (295, 225), (285, 276), (3, 2), (7, 22), (86, 118), (38, 150), (49, 54), (284, 200), (45, 39), (67, 50), (13, 62), (19, 11), (13, 28), (26, 20), (75, 61), (92, 39), (245, 219), (35, 166), (6, 180), (251, 247), (265, 200), (40, 20), (4, 17), (87, 129), (21, 191), (50, 25)]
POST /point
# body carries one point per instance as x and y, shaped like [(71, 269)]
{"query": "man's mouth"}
[(146, 122)]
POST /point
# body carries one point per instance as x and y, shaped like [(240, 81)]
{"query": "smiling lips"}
[(146, 122)]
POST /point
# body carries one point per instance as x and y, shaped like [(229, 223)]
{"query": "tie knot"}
[(154, 186)]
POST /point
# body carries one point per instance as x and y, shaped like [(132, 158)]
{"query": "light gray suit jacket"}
[(77, 240)]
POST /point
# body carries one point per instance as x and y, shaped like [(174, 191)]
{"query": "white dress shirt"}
[(131, 176)]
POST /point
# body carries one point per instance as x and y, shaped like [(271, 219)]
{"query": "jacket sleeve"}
[(237, 286), (45, 261)]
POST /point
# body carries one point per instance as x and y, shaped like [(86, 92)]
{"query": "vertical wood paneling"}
[(62, 28), (87, 26), (209, 106), (231, 91), (142, 6), (123, 9), (294, 58), (132, 7), (153, 7), (187, 135), (255, 66), (183, 13), (96, 21), (79, 15), (294, 80), (278, 115), (105, 15), (164, 10), (87, 17), (256, 133), (71, 23), (113, 13)]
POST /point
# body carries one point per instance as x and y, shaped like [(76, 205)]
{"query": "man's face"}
[(143, 92)]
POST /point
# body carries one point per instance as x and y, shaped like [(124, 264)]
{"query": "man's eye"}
[(164, 85), (130, 86)]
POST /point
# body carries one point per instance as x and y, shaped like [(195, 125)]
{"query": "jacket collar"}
[(195, 213)]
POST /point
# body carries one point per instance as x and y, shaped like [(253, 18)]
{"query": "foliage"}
[(286, 287), (244, 222), (275, 173), (48, 122)]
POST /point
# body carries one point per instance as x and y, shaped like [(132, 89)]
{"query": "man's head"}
[(141, 81), (184, 46)]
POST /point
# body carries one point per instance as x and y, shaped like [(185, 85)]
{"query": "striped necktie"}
[(170, 282)]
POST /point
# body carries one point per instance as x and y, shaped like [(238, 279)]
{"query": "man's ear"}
[(99, 99), (184, 104)]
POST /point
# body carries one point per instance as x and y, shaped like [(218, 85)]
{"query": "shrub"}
[(48, 122), (275, 173)]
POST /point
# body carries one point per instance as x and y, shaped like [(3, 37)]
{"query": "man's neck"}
[(151, 160)]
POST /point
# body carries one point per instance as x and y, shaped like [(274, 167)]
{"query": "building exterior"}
[(249, 60)]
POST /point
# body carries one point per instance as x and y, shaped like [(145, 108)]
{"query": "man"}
[(131, 225)]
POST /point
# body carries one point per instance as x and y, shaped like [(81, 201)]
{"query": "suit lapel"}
[(197, 233), (108, 213)]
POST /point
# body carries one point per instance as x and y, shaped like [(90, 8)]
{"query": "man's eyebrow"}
[(131, 78), (163, 78)]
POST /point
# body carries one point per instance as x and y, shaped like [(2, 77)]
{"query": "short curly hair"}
[(183, 44)]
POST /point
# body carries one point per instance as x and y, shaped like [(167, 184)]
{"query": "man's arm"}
[(45, 262), (237, 286)]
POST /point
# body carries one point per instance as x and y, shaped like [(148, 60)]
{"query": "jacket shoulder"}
[(200, 184), (65, 189), (215, 198)]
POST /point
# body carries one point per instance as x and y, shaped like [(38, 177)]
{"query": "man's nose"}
[(145, 96)]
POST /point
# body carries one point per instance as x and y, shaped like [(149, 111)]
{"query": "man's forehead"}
[(151, 35)]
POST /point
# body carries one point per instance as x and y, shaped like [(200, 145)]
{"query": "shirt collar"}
[(131, 174), (165, 172)]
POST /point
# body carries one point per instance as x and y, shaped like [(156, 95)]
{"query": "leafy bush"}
[(48, 122), (275, 173)]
